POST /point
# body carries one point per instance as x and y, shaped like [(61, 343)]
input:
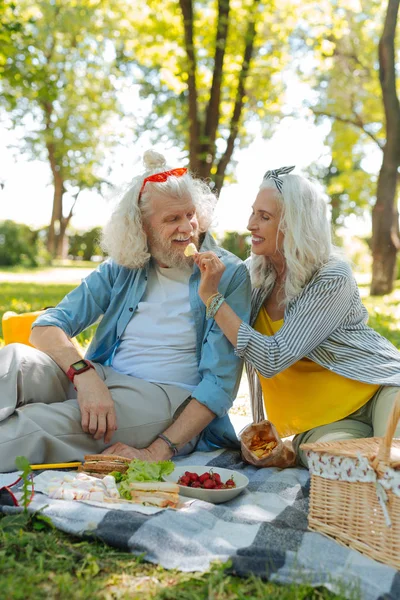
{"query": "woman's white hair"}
[(123, 237), (307, 241)]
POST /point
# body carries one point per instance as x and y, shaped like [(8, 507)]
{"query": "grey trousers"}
[(40, 416), (369, 420)]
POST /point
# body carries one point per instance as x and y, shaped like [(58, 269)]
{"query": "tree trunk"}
[(56, 215), (384, 214), (209, 135), (61, 237), (240, 94), (58, 182), (194, 127), (203, 130)]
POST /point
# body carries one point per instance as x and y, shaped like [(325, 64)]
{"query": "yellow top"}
[(307, 395)]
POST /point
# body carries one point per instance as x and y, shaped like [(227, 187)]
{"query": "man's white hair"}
[(123, 237), (307, 241)]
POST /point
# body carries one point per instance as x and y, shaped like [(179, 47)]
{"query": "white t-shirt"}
[(159, 342)]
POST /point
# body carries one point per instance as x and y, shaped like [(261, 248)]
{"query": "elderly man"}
[(159, 375)]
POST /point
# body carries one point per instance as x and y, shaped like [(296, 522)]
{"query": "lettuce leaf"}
[(140, 470)]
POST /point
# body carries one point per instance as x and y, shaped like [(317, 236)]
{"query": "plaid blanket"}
[(263, 531)]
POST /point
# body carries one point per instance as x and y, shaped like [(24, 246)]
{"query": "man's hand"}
[(129, 452), (211, 269), (97, 406)]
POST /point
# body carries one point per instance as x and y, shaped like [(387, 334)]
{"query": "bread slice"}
[(154, 486), (161, 499), (104, 464), (106, 457)]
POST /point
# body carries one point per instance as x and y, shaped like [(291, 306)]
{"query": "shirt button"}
[(131, 309)]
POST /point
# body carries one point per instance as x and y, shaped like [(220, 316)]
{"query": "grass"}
[(384, 313), (45, 563), (59, 264)]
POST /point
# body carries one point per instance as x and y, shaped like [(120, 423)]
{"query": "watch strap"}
[(72, 372)]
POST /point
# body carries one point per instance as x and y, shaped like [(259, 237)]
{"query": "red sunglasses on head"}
[(161, 177)]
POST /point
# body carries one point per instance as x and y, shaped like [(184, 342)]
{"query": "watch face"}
[(78, 366)]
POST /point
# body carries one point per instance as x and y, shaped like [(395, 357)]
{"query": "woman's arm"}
[(319, 310)]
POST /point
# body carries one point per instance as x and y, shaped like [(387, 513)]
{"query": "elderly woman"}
[(315, 367)]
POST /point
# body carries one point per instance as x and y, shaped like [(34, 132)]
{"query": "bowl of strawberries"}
[(211, 484)]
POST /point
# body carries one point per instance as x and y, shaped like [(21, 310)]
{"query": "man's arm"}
[(94, 398), (52, 333), (193, 419)]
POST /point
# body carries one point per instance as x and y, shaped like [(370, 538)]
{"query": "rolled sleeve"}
[(243, 338), (213, 396)]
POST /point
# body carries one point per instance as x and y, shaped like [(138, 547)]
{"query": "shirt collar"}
[(209, 243)]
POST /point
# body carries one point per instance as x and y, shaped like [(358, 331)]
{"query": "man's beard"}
[(165, 253)]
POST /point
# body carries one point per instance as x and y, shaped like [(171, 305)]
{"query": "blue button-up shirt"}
[(113, 293)]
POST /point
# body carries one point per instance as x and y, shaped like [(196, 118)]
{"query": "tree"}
[(58, 83), (351, 81), (213, 72), (85, 245), (385, 216), (18, 244), (237, 243)]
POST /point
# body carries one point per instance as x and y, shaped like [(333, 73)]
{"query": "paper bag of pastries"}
[(262, 447)]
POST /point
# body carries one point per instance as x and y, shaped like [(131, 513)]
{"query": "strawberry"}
[(209, 484), (204, 477), (184, 480), (217, 478)]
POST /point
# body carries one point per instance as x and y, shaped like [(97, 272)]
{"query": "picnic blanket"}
[(263, 531)]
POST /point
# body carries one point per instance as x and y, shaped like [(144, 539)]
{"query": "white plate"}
[(214, 496)]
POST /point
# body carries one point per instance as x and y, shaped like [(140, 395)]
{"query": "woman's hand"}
[(211, 269)]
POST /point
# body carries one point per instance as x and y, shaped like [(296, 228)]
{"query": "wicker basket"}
[(355, 492)]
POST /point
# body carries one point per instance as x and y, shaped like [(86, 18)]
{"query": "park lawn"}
[(59, 264), (44, 562)]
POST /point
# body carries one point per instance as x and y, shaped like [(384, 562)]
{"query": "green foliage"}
[(237, 243), (156, 57), (346, 78), (18, 244), (85, 245), (22, 464), (59, 82), (60, 86), (384, 314)]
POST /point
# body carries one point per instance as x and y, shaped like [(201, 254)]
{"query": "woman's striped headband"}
[(274, 175)]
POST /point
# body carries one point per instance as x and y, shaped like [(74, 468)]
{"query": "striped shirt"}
[(326, 323)]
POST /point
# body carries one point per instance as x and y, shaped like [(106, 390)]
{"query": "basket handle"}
[(383, 454)]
